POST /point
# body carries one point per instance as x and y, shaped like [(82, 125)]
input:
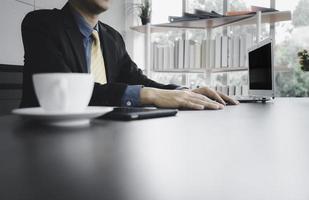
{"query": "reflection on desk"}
[(251, 151)]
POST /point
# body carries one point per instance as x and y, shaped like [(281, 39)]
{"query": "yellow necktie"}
[(97, 66)]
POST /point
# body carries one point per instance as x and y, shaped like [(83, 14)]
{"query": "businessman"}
[(73, 40)]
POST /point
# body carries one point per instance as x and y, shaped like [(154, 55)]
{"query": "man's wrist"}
[(147, 95)]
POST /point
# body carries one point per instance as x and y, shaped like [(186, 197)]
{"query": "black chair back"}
[(11, 81)]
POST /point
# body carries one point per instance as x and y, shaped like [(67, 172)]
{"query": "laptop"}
[(261, 73)]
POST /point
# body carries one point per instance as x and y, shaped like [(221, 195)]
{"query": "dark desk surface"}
[(252, 151)]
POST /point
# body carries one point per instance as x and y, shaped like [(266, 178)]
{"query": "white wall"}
[(115, 16), (12, 12), (11, 15), (134, 41)]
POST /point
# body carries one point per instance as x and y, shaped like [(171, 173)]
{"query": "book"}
[(171, 57), (191, 54), (180, 54), (197, 55), (160, 58), (225, 89), (224, 51), (246, 41), (176, 47), (232, 89), (238, 90), (186, 54), (230, 52), (152, 55), (212, 53), (155, 56), (204, 52), (218, 51), (165, 58), (243, 50), (236, 51)]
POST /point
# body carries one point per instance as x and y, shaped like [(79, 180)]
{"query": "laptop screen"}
[(260, 68)]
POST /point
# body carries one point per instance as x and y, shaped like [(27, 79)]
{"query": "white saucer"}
[(62, 119)]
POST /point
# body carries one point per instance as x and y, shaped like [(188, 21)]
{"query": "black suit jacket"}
[(53, 43)]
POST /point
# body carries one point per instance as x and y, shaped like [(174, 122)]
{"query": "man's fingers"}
[(205, 102), (211, 94), (217, 97), (228, 99), (208, 102), (191, 105)]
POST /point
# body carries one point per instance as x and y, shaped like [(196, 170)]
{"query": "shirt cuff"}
[(131, 96), (182, 88)]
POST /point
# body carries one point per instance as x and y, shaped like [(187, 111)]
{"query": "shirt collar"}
[(83, 25)]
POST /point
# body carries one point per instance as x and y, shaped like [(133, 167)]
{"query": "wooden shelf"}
[(154, 29), (268, 17), (180, 71), (232, 69), (203, 70)]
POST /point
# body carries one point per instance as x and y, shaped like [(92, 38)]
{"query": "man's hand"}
[(179, 99), (216, 96), (198, 99)]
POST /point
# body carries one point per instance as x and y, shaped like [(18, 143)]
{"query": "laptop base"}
[(252, 99)]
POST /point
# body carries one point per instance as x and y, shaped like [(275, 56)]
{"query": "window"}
[(161, 10), (237, 5), (291, 37), (208, 5)]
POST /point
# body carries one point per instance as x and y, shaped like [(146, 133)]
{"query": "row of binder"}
[(224, 52)]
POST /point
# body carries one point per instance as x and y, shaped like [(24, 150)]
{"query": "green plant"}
[(292, 83), (144, 9), (304, 60)]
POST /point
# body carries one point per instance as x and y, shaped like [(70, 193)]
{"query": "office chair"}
[(10, 87)]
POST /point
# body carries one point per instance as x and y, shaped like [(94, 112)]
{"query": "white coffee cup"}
[(63, 92)]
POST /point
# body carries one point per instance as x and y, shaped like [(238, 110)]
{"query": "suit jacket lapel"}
[(108, 51), (78, 48), (75, 37)]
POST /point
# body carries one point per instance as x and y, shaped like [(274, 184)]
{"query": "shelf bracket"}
[(258, 26), (208, 63), (148, 50)]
